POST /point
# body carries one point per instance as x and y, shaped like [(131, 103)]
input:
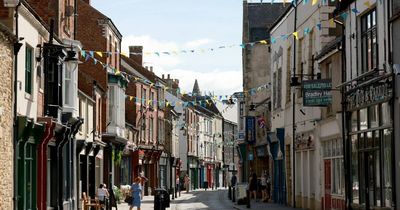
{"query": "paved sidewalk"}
[(262, 205)]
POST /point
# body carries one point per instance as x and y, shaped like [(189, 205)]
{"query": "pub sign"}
[(317, 92)]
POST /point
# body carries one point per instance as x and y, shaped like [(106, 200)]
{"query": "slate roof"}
[(263, 15)]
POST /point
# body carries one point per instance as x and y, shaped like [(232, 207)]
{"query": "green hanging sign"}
[(317, 92)]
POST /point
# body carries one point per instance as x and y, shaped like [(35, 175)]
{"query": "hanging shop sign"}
[(304, 141), (317, 92), (251, 130), (377, 92)]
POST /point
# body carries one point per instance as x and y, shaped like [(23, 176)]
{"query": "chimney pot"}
[(162, 76), (168, 76), (136, 53)]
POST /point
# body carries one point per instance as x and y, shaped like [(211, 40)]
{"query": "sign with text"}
[(251, 130), (377, 92), (317, 92)]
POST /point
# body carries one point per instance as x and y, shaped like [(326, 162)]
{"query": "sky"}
[(168, 25)]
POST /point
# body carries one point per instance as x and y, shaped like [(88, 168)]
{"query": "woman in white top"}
[(102, 194)]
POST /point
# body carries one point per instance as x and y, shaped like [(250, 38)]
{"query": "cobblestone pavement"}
[(210, 199)]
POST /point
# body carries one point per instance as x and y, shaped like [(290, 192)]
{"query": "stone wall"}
[(6, 114)]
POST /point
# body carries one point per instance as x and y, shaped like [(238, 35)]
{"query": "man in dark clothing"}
[(233, 180)]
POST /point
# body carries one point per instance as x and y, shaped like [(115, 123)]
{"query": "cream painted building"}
[(314, 31)]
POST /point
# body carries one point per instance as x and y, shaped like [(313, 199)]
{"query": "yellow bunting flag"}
[(296, 34), (263, 42), (99, 54), (124, 54), (117, 72), (314, 2), (130, 98), (167, 103), (367, 4), (149, 102), (284, 2)]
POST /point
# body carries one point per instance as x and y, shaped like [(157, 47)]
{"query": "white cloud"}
[(221, 82), (152, 45), (197, 43)]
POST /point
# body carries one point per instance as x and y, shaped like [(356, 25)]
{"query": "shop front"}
[(370, 144), (276, 144)]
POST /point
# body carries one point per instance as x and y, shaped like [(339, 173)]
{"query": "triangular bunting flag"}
[(99, 54), (296, 35)]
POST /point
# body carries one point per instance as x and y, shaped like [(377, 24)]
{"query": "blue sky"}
[(167, 25)]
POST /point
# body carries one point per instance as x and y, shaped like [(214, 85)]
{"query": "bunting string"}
[(272, 40)]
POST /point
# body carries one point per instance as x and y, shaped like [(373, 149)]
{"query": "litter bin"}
[(161, 199), (205, 185)]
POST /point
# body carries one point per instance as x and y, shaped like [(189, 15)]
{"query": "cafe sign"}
[(317, 92), (376, 93)]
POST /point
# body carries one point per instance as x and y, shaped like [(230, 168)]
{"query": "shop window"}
[(354, 121), (387, 168), (369, 44), (386, 114), (354, 170), (363, 119), (373, 116)]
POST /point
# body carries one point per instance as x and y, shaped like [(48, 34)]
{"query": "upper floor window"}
[(28, 69), (68, 86), (369, 43)]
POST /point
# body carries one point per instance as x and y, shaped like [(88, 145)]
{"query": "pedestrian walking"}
[(269, 187), (253, 186), (136, 190), (187, 182), (233, 180), (264, 187)]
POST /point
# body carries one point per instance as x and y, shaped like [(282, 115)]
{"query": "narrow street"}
[(210, 199)]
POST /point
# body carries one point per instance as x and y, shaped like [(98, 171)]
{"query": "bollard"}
[(172, 192), (248, 199), (229, 193), (233, 194)]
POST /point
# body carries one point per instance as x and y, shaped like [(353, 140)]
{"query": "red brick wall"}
[(57, 10), (90, 34)]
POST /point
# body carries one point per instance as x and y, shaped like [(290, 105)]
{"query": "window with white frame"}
[(111, 104), (333, 151), (67, 87), (151, 129), (28, 69)]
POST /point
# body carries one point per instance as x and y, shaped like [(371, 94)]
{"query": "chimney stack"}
[(168, 77), (162, 76), (151, 68), (136, 53)]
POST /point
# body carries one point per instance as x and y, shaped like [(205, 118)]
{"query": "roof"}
[(139, 68), (261, 15), (332, 45), (277, 20), (101, 15), (206, 108)]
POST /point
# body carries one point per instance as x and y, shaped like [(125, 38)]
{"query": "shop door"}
[(370, 179), (328, 185)]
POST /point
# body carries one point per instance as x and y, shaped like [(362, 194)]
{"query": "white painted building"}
[(311, 39)]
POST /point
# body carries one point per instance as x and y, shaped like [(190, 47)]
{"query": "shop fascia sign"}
[(375, 93), (317, 92)]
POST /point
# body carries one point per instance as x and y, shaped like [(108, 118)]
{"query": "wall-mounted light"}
[(11, 3)]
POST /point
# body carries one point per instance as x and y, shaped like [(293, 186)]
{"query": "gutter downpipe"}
[(42, 166), (17, 46), (294, 106)]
